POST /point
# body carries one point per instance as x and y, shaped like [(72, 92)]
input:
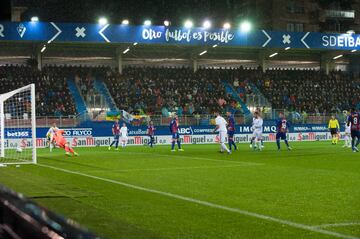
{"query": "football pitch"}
[(312, 191)]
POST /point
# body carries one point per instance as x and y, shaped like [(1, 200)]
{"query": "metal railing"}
[(61, 121), (204, 119)]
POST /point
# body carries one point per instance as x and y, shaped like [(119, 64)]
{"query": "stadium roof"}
[(76, 40)]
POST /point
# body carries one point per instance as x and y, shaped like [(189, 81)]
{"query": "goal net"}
[(18, 126)]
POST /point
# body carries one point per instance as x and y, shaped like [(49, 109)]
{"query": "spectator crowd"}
[(162, 90), (52, 95)]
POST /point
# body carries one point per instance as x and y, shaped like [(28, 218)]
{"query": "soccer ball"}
[(18, 150)]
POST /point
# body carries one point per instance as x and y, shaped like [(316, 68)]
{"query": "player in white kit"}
[(50, 136), (347, 136), (257, 129), (222, 130), (124, 135)]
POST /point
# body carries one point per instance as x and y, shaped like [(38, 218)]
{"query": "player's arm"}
[(337, 125), (287, 127), (349, 121), (329, 125), (216, 128)]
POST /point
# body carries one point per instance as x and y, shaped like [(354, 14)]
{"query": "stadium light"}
[(34, 19), (103, 21), (207, 24), (147, 23), (188, 24), (274, 54), (43, 49), (202, 53), (227, 25), (353, 50), (245, 26), (287, 48), (166, 23), (126, 51), (125, 22), (337, 57)]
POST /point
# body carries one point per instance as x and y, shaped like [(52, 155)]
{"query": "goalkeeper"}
[(62, 143), (50, 142)]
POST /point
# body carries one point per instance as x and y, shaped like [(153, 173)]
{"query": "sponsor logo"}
[(187, 130), (21, 29), (18, 134)]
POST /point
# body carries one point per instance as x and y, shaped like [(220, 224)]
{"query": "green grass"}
[(316, 183)]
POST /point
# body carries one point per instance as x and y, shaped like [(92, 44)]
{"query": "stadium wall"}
[(99, 136)]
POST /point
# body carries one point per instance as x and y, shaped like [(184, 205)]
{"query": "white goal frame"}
[(3, 98)]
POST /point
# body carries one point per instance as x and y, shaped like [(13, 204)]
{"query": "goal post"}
[(18, 126)]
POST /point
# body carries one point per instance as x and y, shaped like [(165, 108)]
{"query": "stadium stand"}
[(309, 91), (160, 90), (52, 95), (163, 90)]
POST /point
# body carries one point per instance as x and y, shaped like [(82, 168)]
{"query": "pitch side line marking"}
[(209, 204), (197, 158), (170, 168), (344, 224)]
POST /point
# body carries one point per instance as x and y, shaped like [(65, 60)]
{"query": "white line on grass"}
[(209, 204), (344, 224), (170, 168), (196, 158)]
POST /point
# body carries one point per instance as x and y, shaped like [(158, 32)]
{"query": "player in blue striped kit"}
[(282, 127), (116, 132), (174, 127), (231, 130)]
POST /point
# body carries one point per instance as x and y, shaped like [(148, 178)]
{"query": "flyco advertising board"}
[(100, 136), (48, 32)]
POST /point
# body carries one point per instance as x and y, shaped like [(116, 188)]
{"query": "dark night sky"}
[(135, 10)]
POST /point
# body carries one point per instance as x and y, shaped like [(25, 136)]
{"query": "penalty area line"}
[(208, 204)]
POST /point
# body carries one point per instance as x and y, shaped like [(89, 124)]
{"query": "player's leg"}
[(358, 142), (229, 141), (116, 139), (278, 140), (222, 136), (173, 143), (259, 139), (112, 143), (286, 142), (179, 142), (353, 138), (233, 141), (252, 141), (258, 142), (150, 143), (337, 136)]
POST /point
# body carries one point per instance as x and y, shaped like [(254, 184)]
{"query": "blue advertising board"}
[(48, 32), (100, 130)]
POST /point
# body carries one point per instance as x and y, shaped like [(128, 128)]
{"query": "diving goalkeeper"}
[(62, 143)]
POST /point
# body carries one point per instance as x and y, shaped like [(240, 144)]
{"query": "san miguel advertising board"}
[(102, 136)]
